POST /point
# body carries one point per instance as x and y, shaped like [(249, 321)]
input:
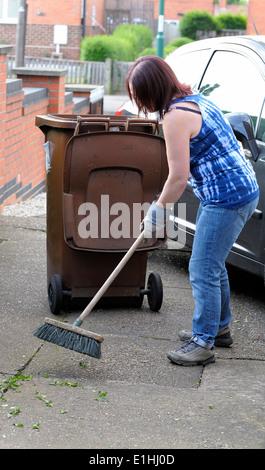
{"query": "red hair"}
[(152, 84)]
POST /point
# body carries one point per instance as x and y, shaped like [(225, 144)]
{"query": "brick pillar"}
[(4, 50), (52, 79)]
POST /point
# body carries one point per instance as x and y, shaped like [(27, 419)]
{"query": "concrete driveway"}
[(133, 398)]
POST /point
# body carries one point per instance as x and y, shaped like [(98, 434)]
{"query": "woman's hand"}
[(155, 221)]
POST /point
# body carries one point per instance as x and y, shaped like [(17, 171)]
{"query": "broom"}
[(73, 337)]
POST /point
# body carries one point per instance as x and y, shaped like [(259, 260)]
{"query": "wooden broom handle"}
[(112, 276)]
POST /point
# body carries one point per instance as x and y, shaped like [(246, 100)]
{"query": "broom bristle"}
[(69, 339)]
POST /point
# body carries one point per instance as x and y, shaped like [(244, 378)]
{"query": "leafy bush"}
[(230, 21), (127, 33), (236, 2), (125, 44), (147, 51), (175, 43), (100, 47), (139, 35), (178, 42), (167, 49), (196, 20)]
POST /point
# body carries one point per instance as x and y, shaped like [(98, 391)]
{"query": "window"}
[(189, 67), (9, 11), (234, 83)]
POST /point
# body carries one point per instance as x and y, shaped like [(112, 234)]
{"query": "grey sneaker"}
[(191, 354), (223, 338)]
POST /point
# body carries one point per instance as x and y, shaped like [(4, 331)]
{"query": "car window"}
[(189, 67), (234, 83)]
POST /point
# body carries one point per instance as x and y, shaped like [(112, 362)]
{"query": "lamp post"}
[(83, 22), (160, 31), (21, 33)]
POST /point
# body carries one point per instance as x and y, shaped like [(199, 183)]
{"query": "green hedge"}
[(196, 20), (131, 41), (100, 47), (126, 42), (175, 43), (147, 51), (229, 21), (139, 35)]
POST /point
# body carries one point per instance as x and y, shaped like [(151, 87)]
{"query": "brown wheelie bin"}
[(102, 174)]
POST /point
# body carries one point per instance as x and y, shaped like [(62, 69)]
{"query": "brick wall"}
[(22, 157), (174, 9), (41, 18), (22, 162), (53, 80), (39, 40), (55, 12)]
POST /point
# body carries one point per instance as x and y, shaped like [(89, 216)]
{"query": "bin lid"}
[(65, 121), (122, 122)]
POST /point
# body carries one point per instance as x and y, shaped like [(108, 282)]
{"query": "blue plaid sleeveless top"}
[(219, 172)]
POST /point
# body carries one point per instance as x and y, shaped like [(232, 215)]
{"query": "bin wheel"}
[(55, 294), (155, 291)]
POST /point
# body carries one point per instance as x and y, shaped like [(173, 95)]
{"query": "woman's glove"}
[(155, 221)]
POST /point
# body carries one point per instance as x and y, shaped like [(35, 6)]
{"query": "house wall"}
[(175, 9), (41, 18)]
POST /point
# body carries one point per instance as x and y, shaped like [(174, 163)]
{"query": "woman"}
[(200, 143)]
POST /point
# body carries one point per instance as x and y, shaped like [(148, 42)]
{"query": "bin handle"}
[(153, 122), (91, 120)]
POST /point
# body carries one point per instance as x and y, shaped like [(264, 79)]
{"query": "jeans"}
[(217, 229)]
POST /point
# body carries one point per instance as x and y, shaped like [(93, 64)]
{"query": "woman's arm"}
[(179, 127)]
